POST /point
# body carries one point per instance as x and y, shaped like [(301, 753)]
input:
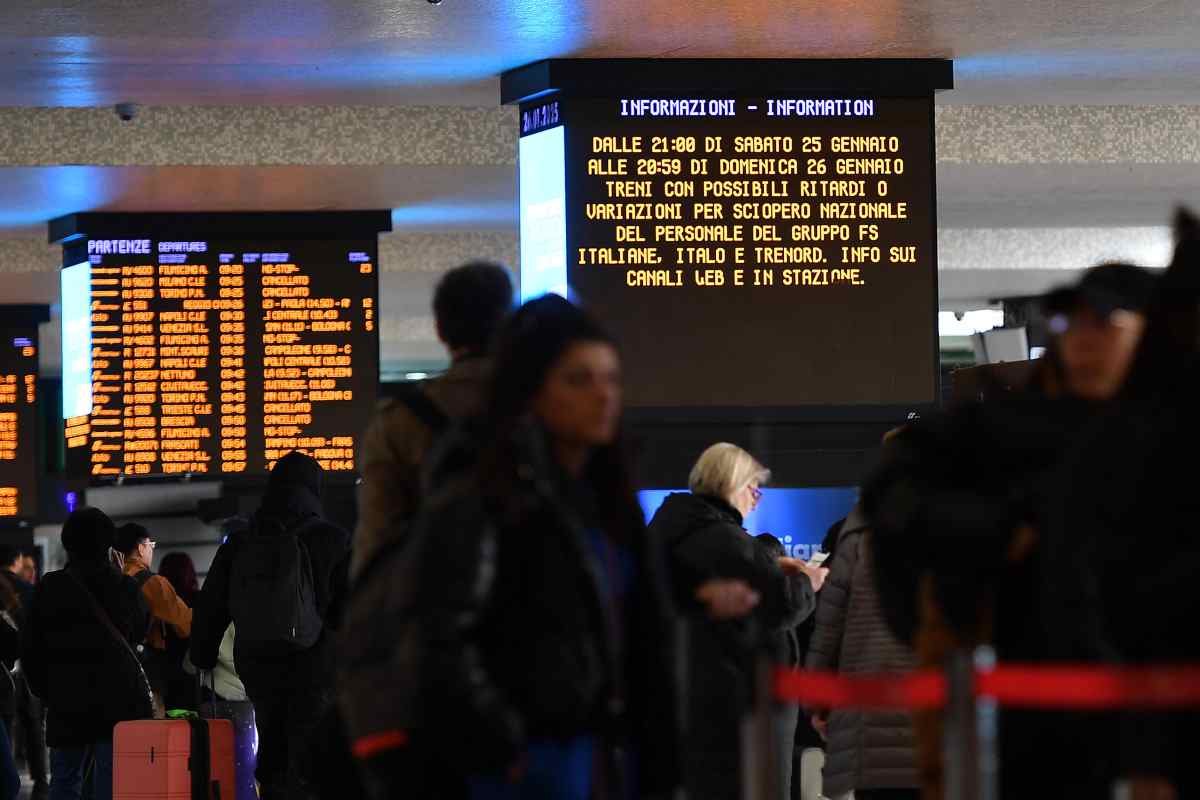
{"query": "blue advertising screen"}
[(77, 340), (543, 214), (799, 518)]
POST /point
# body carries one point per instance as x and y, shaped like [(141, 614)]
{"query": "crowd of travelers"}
[(503, 623)]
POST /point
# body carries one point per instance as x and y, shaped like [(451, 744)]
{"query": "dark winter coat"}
[(522, 636), (1123, 582), (328, 546), (703, 540), (866, 749), (72, 661), (944, 507)]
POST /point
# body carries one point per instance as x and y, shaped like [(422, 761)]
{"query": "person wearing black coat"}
[(291, 689), (962, 506), (88, 679), (702, 535), (545, 667), (1122, 561)]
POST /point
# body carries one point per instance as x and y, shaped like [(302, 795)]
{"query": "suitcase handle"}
[(212, 687)]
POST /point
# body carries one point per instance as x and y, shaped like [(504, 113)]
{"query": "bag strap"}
[(200, 761), (107, 622), (423, 408)]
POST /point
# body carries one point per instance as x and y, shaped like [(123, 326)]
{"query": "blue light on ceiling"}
[(48, 192), (455, 214), (1111, 64)]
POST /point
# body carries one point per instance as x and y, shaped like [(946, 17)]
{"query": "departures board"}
[(766, 253), (19, 465), (208, 356)]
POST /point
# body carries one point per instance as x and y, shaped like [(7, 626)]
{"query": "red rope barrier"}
[(1079, 687), (925, 689), (1091, 687)]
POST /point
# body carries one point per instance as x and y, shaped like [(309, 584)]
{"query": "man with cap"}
[(1097, 324), (74, 661), (166, 607), (288, 675), (961, 501)]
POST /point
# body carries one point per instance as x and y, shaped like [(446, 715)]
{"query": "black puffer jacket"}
[(72, 661), (522, 638), (703, 539)]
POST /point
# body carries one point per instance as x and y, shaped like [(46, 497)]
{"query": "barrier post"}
[(761, 774), (987, 722), (960, 745), (970, 733)]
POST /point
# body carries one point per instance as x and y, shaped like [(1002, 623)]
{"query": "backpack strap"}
[(414, 398)]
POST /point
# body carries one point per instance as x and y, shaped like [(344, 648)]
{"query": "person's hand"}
[(821, 726), (726, 599), (817, 576), (1146, 787), (116, 558), (794, 566)]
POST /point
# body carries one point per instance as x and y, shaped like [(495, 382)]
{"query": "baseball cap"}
[(1105, 289)]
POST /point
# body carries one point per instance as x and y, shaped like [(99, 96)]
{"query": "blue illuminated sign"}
[(543, 189), (799, 518), (77, 339)]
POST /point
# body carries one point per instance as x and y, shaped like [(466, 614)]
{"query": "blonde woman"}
[(706, 545)]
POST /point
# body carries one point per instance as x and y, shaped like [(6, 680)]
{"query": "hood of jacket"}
[(683, 513)]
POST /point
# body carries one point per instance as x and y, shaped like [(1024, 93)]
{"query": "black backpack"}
[(272, 595)]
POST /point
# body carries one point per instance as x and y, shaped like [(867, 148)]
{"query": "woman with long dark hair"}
[(546, 666), (180, 571)]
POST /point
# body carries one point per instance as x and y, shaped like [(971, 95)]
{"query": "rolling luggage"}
[(174, 759)]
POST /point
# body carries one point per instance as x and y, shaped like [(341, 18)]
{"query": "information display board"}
[(218, 356), (18, 421), (769, 253)]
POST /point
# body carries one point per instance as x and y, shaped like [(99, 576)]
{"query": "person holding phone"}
[(704, 539)]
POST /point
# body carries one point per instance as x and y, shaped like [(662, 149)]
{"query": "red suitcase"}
[(173, 760)]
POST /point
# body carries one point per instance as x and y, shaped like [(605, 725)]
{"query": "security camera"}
[(126, 111), (435, 2)]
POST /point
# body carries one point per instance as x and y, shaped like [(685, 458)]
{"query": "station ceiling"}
[(389, 52), (1013, 223)]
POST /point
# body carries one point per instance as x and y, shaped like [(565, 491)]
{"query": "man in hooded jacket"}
[(88, 680), (291, 688)]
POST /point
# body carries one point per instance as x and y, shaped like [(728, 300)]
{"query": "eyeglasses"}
[(150, 542), (1119, 318)]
